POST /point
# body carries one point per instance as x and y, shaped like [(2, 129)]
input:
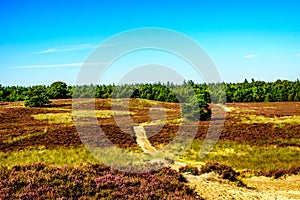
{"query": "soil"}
[(142, 140), (212, 187)]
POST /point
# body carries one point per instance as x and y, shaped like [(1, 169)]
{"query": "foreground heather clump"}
[(226, 172), (277, 173), (39, 181)]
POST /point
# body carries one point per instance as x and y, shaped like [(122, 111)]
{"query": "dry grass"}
[(22, 137), (251, 119), (245, 157), (67, 118), (59, 156)]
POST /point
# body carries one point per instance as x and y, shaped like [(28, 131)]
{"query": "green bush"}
[(58, 90), (197, 109), (36, 97)]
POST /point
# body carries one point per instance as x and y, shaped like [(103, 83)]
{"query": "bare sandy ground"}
[(211, 187)]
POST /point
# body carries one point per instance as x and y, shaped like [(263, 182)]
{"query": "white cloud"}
[(249, 56), (46, 51), (57, 65), (67, 48), (298, 54)]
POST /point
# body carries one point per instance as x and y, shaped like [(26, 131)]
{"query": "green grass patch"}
[(246, 157), (59, 156)]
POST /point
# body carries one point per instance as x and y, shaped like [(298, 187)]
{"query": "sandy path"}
[(142, 140), (211, 187)]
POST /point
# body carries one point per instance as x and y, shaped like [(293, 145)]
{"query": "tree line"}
[(194, 97), (254, 91)]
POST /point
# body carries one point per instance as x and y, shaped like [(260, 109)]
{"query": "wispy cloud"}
[(57, 65), (67, 48), (298, 54), (249, 56), (46, 51)]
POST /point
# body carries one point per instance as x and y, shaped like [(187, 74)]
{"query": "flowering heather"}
[(39, 181)]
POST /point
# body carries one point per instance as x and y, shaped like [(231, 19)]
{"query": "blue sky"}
[(45, 41)]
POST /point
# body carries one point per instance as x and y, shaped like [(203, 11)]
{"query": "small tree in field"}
[(37, 96), (197, 109), (58, 90)]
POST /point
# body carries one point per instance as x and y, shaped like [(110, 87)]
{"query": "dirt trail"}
[(142, 140), (212, 187)]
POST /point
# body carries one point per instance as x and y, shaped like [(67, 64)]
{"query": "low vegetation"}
[(277, 173), (56, 156), (224, 171), (67, 118), (245, 157), (94, 181), (43, 156)]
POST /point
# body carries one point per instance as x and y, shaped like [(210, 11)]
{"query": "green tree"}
[(58, 90), (291, 97), (268, 98), (297, 97), (197, 109), (37, 96)]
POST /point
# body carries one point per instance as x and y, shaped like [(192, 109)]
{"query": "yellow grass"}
[(250, 119), (22, 137), (67, 118)]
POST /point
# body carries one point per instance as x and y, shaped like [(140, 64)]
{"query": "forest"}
[(254, 91)]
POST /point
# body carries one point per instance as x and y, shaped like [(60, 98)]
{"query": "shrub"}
[(36, 97), (196, 109), (224, 171), (277, 173), (58, 90), (191, 169)]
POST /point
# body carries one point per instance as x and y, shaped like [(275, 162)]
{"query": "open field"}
[(256, 138)]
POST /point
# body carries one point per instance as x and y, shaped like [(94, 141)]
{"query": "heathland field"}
[(257, 155)]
